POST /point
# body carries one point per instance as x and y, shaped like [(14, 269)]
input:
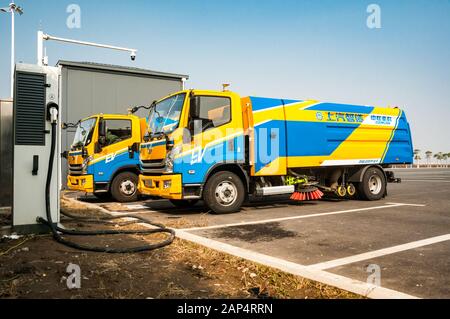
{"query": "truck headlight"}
[(86, 163), (169, 165), (171, 158), (148, 183), (87, 160)]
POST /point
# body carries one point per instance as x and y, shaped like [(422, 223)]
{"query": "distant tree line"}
[(441, 158)]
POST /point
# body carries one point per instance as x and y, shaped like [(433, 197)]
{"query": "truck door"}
[(217, 135), (268, 151), (114, 154)]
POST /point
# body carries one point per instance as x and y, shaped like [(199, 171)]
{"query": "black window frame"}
[(122, 140), (222, 97)]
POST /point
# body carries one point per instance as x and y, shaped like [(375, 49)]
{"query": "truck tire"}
[(224, 193), (373, 185), (124, 187), (184, 203)]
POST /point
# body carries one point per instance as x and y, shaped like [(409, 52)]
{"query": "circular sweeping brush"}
[(307, 194)]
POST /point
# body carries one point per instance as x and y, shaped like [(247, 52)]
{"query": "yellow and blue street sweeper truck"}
[(222, 149)]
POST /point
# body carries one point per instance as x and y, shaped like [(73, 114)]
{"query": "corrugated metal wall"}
[(6, 156), (88, 91)]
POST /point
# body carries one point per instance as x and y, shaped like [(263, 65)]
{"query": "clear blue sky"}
[(291, 48)]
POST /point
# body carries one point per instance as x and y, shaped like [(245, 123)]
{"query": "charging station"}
[(37, 160), (37, 166), (36, 90)]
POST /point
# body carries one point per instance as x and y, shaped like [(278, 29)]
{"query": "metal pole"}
[(41, 37), (13, 53), (105, 46), (40, 48)]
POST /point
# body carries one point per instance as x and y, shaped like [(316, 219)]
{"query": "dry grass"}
[(78, 208), (253, 280), (180, 223), (83, 209)]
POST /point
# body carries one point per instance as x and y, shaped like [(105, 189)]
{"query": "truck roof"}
[(113, 116)]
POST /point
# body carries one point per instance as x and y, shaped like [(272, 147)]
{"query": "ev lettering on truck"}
[(197, 156), (110, 158)]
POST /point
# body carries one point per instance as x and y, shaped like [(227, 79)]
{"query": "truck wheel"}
[(184, 203), (124, 187), (224, 193), (373, 185)]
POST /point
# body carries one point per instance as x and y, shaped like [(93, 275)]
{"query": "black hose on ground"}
[(103, 220)]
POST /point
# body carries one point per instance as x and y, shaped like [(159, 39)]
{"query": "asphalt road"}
[(406, 236)]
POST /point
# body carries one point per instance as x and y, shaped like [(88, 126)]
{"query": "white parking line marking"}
[(425, 180), (117, 214), (352, 285), (136, 206), (274, 220), (412, 205), (379, 253)]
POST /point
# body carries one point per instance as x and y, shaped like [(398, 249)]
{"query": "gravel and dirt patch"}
[(35, 267)]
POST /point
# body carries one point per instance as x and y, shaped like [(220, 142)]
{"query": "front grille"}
[(158, 161), (153, 164), (153, 171), (76, 169)]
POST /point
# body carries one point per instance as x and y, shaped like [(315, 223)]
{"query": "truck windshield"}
[(164, 117), (83, 135)]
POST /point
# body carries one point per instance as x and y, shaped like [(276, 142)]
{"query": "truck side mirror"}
[(97, 148), (102, 131), (84, 152), (195, 107), (136, 147), (133, 149)]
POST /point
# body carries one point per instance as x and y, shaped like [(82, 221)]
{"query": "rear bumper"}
[(82, 183), (164, 186)]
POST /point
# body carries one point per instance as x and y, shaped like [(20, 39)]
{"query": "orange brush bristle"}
[(307, 195)]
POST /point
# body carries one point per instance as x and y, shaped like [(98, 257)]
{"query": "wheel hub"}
[(375, 185), (226, 193), (351, 190), (127, 188)]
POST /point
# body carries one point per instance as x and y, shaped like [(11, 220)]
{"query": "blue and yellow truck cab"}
[(222, 148), (102, 161)]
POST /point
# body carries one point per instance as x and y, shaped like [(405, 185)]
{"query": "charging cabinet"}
[(35, 87)]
